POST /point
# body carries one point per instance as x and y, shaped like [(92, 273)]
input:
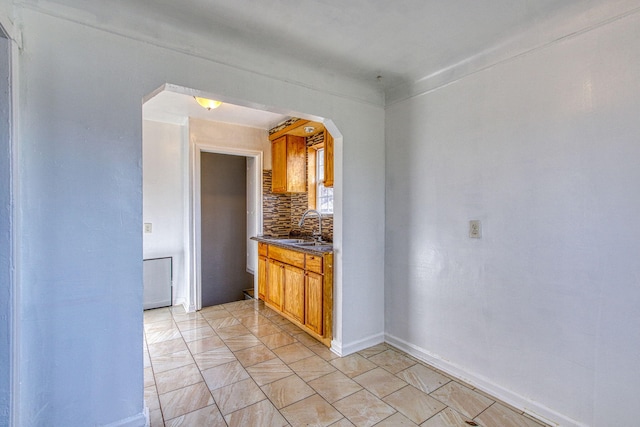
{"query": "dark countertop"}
[(294, 244)]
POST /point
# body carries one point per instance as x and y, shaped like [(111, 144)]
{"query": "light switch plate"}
[(147, 227), (475, 229)]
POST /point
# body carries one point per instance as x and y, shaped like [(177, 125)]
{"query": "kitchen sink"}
[(302, 243), (291, 241), (320, 246)]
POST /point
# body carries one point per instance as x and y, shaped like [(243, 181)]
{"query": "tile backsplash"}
[(283, 125), (276, 210), (282, 212)]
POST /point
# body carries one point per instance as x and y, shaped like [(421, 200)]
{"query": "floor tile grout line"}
[(210, 391), (273, 403), (241, 409), (307, 345), (306, 382), (441, 410), (438, 388), (153, 375), (199, 371), (483, 411), (155, 385), (363, 389), (381, 421), (292, 374)]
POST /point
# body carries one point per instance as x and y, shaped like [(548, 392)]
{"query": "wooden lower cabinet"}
[(262, 277), (299, 286), (313, 288), (293, 303), (275, 281)]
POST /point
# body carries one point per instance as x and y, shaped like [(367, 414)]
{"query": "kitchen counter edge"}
[(274, 241)]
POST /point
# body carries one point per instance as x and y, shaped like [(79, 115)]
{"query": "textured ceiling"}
[(171, 106), (402, 41), (399, 48)]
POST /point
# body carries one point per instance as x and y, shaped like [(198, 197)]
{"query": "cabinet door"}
[(289, 164), (293, 303), (296, 164), (313, 314), (275, 280), (262, 277), (279, 165), (328, 159)]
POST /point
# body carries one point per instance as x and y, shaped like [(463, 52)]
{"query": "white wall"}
[(224, 135), (80, 211), (166, 187), (8, 294), (236, 140), (164, 179), (543, 149), (6, 232), (6, 18)]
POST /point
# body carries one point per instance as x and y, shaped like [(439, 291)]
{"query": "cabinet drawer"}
[(314, 263), (287, 256), (262, 248)]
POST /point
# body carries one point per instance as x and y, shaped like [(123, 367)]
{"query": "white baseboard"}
[(350, 348), (179, 301), (528, 406), (139, 420), (185, 304), (336, 347)]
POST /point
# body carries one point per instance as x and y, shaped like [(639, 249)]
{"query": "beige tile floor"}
[(242, 364)]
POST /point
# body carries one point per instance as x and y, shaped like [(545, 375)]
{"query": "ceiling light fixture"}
[(209, 104), (309, 129)]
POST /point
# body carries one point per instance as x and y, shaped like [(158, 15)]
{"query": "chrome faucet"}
[(304, 215)]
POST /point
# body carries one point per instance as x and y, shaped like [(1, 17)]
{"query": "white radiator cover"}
[(157, 282)]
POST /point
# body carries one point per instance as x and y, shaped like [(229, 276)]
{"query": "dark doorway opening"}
[(223, 201)]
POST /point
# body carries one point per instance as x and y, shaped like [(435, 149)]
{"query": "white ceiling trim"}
[(525, 44), (341, 47)]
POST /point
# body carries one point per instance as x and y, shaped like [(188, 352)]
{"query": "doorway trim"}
[(194, 294)]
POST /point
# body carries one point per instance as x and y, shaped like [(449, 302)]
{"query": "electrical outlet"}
[(475, 229), (147, 227)]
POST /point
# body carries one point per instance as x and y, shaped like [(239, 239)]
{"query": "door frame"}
[(194, 293)]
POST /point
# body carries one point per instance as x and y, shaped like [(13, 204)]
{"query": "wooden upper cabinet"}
[(289, 163), (279, 165), (328, 159)]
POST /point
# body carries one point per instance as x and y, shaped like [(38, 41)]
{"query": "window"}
[(324, 195), (320, 197)]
